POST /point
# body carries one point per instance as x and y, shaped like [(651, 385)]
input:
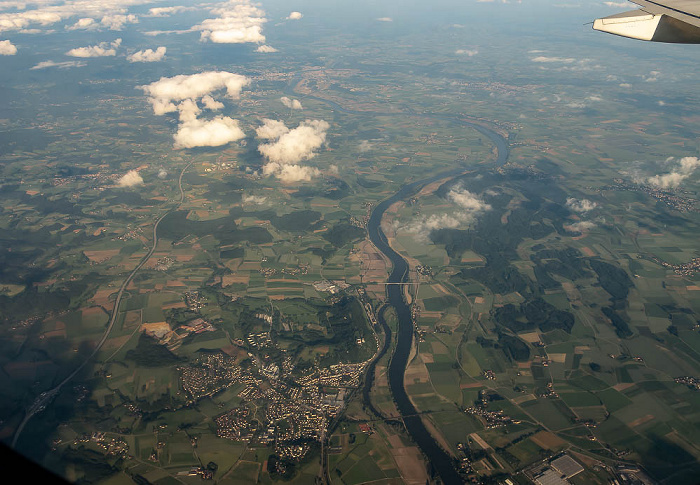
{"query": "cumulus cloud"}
[(130, 179), (291, 103), (467, 52), (111, 22), (385, 19), (266, 49), (34, 16), (288, 147), (238, 22), (7, 48), (186, 91), (59, 65), (218, 131), (167, 11), (147, 55), (117, 22), (582, 226), (83, 24), (652, 77), (295, 16), (162, 173), (254, 199), (188, 109), (26, 16), (583, 205), (103, 49), (164, 93), (469, 208), (296, 145), (290, 173), (212, 104), (467, 201), (683, 169), (547, 59), (271, 129)]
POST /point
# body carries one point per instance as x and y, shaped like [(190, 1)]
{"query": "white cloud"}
[(117, 21), (162, 173), (470, 207), (582, 226), (295, 16), (59, 65), (652, 77), (685, 167), (153, 33), (266, 49), (467, 52), (289, 147), (546, 59), (130, 179), (298, 144), (167, 11), (238, 22), (271, 129), (364, 146), (208, 133), (212, 104), (83, 24), (148, 55), (661, 102), (167, 90), (290, 173), (583, 205), (7, 48), (254, 199), (291, 103), (467, 201), (42, 13), (103, 49), (189, 110), (186, 91), (385, 19)]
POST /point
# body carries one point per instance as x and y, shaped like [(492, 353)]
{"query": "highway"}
[(45, 398)]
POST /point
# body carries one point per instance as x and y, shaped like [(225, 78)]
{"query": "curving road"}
[(46, 397)]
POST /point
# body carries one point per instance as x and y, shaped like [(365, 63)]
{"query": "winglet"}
[(636, 24), (642, 25)]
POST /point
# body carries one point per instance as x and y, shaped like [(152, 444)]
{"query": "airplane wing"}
[(674, 21)]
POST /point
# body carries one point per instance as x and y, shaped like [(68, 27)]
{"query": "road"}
[(45, 398)]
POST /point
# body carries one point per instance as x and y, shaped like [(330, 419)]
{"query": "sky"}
[(189, 59)]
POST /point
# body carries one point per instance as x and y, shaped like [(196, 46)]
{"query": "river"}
[(442, 463)]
